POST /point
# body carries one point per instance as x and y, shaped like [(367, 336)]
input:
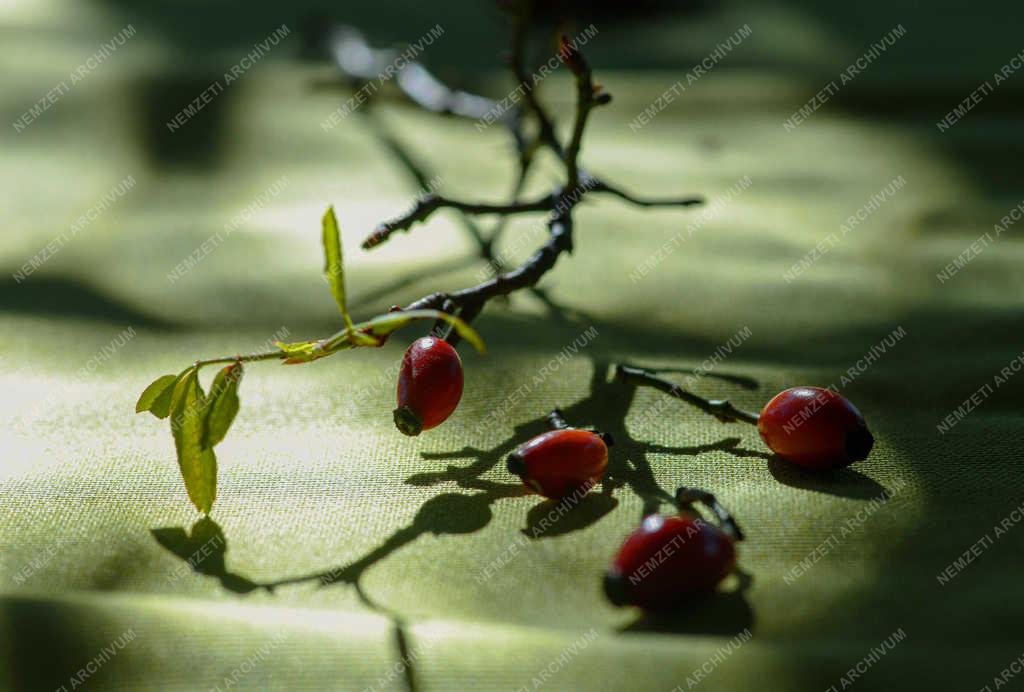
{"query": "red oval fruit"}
[(815, 428), (429, 385), (559, 463), (667, 560)]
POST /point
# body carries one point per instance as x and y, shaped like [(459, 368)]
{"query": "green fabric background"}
[(314, 477)]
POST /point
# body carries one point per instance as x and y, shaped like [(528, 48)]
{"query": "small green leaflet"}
[(198, 465), (386, 324), (222, 405), (334, 272), (304, 351), (157, 397), (334, 267)]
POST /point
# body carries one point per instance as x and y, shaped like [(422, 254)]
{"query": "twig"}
[(526, 276), (431, 94), (601, 186), (556, 420), (424, 90), (687, 496), (428, 204), (587, 98), (544, 123), (251, 358), (423, 180), (358, 61)]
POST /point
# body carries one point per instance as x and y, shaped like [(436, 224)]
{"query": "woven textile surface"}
[(434, 548)]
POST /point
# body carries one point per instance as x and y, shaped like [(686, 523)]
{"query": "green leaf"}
[(359, 338), (386, 324), (157, 397), (307, 351), (198, 465), (334, 263), (222, 405)]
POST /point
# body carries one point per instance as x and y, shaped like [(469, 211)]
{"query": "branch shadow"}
[(604, 409), (170, 141), (454, 513), (204, 547)]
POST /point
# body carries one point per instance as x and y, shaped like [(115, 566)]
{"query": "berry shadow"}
[(721, 613), (844, 482)]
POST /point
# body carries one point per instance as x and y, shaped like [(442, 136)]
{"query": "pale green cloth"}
[(314, 477)]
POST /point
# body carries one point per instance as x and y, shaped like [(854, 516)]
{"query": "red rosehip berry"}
[(559, 463), (815, 428), (429, 385), (671, 558)]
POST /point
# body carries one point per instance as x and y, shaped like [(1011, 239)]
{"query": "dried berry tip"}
[(407, 422), (858, 444), (615, 588), (516, 466)]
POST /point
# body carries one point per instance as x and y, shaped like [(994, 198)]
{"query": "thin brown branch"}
[(420, 176), (588, 97), (360, 63), (525, 276), (545, 124), (600, 186), (424, 90), (425, 206)]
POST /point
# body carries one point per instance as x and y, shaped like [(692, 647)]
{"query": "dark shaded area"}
[(725, 613), (588, 511), (234, 25), (68, 634), (59, 296), (171, 135), (846, 482)]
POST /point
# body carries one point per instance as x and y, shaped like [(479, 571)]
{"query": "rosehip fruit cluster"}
[(429, 385), (561, 462), (671, 558)]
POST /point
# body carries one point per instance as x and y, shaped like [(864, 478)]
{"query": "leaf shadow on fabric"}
[(204, 550)]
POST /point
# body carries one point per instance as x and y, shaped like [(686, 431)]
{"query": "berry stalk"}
[(687, 496)]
